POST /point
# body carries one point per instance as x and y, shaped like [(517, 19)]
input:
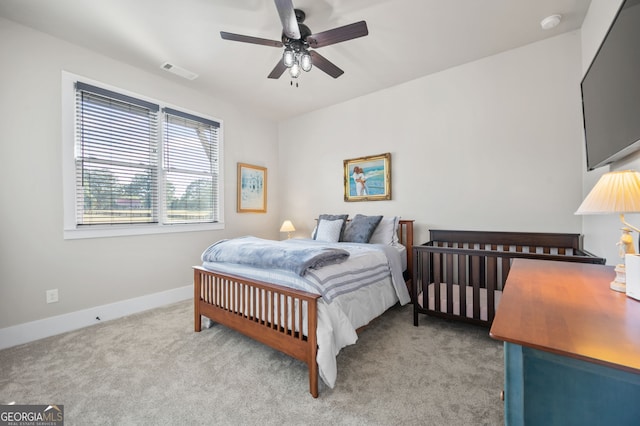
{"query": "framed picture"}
[(252, 188), (368, 178)]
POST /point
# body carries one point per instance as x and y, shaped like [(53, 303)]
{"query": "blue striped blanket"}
[(290, 255), (367, 264)]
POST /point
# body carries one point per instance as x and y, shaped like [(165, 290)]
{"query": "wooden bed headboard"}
[(405, 236)]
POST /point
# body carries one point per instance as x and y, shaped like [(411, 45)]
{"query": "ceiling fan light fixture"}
[(305, 61), (288, 57), (294, 70)]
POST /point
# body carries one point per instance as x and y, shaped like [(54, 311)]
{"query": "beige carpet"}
[(152, 369)]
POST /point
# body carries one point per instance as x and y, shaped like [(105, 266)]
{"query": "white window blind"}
[(191, 169), (116, 158), (120, 142)]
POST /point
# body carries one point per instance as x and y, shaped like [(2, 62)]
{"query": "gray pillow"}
[(332, 217), (329, 230), (360, 229)]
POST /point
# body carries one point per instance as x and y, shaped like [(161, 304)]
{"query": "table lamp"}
[(616, 192), (287, 227)]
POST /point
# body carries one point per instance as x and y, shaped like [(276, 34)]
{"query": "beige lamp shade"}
[(615, 192), (287, 226)]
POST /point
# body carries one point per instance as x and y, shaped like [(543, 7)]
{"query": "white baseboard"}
[(35, 330)]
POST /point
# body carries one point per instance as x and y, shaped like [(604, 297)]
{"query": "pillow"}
[(329, 230), (386, 232), (332, 217), (361, 228)]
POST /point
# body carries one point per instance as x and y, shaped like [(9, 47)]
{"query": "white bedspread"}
[(347, 310)]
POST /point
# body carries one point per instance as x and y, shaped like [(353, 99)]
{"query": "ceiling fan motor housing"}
[(304, 32), (300, 15)]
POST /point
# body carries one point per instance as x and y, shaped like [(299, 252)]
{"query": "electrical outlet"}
[(52, 295)]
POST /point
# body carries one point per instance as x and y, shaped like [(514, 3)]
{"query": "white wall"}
[(33, 255), (495, 144), (490, 145), (602, 232)]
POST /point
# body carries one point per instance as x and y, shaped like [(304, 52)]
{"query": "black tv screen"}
[(611, 91)]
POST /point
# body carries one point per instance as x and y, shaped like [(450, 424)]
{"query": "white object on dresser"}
[(632, 262)]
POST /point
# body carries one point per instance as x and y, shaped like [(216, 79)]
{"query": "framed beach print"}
[(368, 178), (252, 189)]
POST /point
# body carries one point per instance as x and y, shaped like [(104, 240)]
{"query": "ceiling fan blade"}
[(336, 35), (288, 18), (249, 39), (277, 70), (325, 65)]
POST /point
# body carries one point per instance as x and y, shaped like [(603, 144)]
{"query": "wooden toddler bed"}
[(280, 317), (471, 268)]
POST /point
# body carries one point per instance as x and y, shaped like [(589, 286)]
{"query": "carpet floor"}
[(153, 369)]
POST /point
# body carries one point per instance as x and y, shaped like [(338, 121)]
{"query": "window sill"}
[(98, 231)]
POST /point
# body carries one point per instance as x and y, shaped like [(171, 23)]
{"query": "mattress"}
[(456, 299), (403, 255)]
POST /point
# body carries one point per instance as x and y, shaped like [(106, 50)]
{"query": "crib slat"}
[(464, 283), (449, 279), (437, 279), (506, 267), (476, 282), (492, 278)]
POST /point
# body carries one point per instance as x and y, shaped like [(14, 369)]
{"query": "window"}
[(138, 166), (191, 168)]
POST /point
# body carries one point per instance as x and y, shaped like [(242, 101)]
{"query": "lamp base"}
[(620, 282)]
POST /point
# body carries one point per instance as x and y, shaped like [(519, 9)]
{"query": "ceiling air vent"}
[(179, 71)]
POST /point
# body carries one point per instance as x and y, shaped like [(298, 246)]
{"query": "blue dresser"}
[(571, 346)]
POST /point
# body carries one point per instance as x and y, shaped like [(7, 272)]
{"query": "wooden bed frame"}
[(276, 321), (477, 263)]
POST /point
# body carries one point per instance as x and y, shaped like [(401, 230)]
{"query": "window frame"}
[(70, 229)]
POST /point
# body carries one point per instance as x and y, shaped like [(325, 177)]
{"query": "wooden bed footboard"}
[(283, 318)]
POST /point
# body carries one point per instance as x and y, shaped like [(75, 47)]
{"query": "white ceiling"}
[(407, 40)]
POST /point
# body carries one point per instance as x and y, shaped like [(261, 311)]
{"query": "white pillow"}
[(386, 232), (329, 230)]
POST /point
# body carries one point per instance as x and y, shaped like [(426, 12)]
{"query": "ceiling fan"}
[(297, 40)]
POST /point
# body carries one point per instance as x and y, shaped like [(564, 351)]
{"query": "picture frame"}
[(368, 178), (252, 188)]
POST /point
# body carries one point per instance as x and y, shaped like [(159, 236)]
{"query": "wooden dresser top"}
[(568, 309)]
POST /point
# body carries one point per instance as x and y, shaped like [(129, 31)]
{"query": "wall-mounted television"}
[(611, 91)]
